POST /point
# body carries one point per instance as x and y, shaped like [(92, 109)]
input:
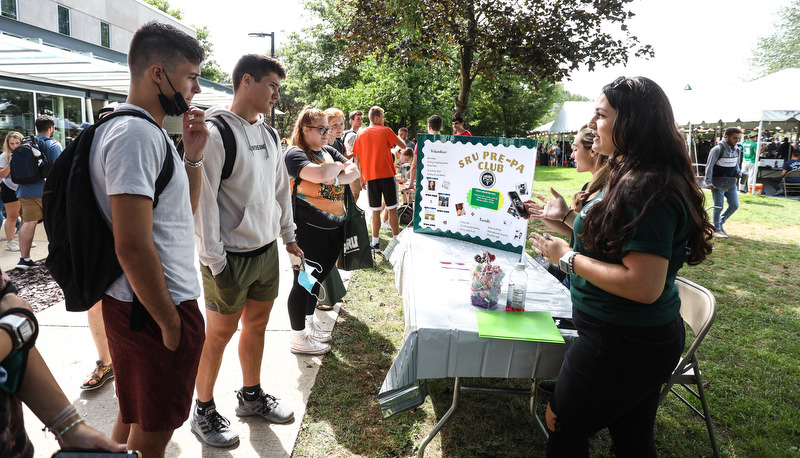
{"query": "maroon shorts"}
[(154, 385)]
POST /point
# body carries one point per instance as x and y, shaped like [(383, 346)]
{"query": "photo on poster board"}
[(463, 185)]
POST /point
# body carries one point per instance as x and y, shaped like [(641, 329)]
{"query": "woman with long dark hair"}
[(630, 241), (318, 176)]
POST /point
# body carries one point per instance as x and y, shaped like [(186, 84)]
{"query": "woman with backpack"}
[(8, 189)]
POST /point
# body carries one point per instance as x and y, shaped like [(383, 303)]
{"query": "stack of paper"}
[(531, 326)]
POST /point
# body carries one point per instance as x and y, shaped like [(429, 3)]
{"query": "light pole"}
[(271, 35)]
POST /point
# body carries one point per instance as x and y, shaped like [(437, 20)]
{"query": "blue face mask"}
[(307, 281)]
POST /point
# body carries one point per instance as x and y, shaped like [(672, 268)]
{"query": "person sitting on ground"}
[(25, 377), (8, 189)]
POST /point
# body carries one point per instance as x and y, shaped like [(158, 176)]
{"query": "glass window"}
[(63, 20), (67, 113), (105, 35), (8, 8), (16, 112)]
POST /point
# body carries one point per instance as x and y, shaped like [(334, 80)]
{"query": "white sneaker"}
[(386, 225), (12, 246), (316, 333), (306, 345), (720, 234)]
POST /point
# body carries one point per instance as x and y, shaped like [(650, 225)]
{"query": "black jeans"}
[(611, 377), (322, 246)]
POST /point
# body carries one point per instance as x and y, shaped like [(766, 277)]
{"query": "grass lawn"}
[(750, 359)]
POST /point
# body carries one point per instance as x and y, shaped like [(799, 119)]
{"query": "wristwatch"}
[(566, 263), (18, 328)]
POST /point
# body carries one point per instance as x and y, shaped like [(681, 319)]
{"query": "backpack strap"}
[(228, 143), (167, 168), (274, 134)]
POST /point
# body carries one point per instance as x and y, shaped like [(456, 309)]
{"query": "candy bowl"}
[(487, 281)]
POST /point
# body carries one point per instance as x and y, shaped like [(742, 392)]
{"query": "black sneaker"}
[(25, 265), (265, 406), (212, 428), (376, 247)]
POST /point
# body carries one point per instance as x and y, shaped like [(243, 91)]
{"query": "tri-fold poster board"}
[(463, 184)]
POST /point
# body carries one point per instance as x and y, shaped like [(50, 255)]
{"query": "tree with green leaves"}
[(321, 75), (508, 105), (163, 5), (210, 69), (540, 40), (779, 50)]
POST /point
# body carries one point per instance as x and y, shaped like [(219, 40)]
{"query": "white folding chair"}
[(789, 186), (698, 309)]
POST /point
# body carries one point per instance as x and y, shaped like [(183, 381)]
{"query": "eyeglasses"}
[(322, 130), (620, 81)]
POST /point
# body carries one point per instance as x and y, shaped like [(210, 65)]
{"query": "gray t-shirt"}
[(131, 154)]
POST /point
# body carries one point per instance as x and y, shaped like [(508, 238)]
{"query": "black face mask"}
[(175, 107)]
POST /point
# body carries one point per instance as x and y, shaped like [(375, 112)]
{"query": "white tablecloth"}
[(441, 332)]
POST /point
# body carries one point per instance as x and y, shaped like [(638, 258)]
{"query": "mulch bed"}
[(37, 286)]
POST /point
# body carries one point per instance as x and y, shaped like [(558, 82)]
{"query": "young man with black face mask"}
[(155, 367)]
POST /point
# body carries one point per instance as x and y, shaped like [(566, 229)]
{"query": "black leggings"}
[(322, 246)]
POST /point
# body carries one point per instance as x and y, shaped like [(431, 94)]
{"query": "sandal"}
[(98, 377), (324, 307)]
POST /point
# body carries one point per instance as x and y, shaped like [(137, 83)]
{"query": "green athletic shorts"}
[(244, 277)]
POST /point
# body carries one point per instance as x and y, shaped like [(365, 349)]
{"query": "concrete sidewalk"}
[(68, 349)]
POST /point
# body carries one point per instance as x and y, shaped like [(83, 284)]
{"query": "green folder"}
[(531, 326)]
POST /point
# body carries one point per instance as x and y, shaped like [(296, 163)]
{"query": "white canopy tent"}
[(769, 101), (571, 117)]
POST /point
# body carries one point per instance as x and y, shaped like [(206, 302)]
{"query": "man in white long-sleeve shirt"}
[(238, 219)]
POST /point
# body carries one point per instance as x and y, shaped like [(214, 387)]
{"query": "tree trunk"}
[(466, 55), (464, 82)]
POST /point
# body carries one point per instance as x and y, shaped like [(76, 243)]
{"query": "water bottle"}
[(517, 288)]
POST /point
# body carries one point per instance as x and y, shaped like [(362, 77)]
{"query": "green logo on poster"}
[(480, 198)]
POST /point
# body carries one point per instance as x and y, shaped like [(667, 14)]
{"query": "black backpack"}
[(28, 163), (81, 256)]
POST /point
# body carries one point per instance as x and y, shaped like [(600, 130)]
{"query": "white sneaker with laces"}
[(316, 333), (12, 246), (307, 345)]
